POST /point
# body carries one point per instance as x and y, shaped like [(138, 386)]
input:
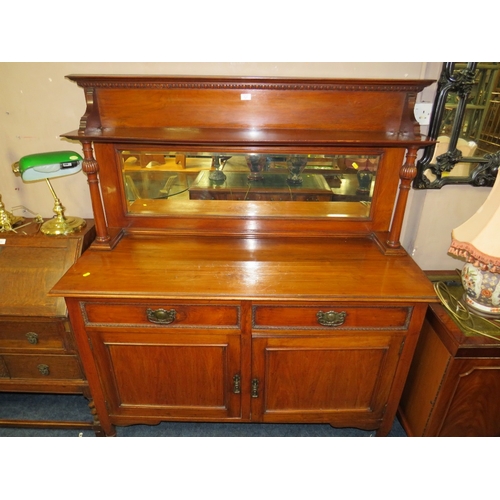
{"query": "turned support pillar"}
[(406, 174), (91, 169)]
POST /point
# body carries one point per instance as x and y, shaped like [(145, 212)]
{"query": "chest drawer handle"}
[(32, 337), (161, 316), (43, 369), (331, 318)]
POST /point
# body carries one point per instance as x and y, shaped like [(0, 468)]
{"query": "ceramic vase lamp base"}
[(480, 279), (482, 291)]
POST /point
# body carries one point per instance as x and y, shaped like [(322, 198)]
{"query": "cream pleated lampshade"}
[(478, 239)]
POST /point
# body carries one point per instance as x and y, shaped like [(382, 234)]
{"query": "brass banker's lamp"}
[(46, 166)]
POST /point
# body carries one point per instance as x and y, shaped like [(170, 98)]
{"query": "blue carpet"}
[(71, 407)]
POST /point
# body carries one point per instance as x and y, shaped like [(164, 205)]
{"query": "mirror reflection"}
[(181, 176)]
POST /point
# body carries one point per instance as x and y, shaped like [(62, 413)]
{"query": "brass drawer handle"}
[(331, 318), (32, 337), (161, 316), (43, 369)]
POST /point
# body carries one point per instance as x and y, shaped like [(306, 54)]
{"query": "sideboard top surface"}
[(211, 268)]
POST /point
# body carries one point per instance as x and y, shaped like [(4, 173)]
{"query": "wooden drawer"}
[(331, 316), (33, 366), (37, 335), (165, 314)]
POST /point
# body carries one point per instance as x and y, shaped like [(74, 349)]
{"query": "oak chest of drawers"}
[(37, 349)]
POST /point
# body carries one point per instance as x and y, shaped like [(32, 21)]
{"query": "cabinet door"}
[(168, 375), (468, 403), (344, 380)]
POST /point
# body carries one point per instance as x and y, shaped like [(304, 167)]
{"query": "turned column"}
[(91, 169), (406, 174)]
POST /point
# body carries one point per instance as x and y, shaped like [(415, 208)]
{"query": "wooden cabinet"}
[(226, 352), (338, 374), (182, 369), (37, 348), (454, 382), (193, 304)]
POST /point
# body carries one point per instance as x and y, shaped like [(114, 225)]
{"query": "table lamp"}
[(7, 219), (477, 240), (45, 166)]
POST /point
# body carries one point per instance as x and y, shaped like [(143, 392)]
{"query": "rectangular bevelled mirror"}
[(346, 181)]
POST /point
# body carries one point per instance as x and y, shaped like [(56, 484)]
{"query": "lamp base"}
[(7, 219), (480, 310), (482, 291), (62, 226)]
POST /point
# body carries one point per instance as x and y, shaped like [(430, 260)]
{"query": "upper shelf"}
[(226, 137), (249, 111)]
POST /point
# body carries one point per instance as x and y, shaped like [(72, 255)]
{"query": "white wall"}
[(37, 104), (431, 215)]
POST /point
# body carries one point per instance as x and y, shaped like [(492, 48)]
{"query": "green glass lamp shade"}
[(45, 166), (49, 165)]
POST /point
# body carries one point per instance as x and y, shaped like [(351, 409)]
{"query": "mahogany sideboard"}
[(38, 353), (236, 308)]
